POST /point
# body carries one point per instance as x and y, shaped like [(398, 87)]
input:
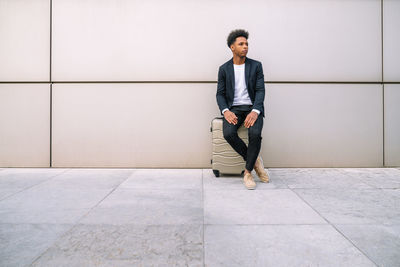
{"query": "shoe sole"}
[(250, 188)]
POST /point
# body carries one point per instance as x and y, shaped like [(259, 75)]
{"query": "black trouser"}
[(251, 152)]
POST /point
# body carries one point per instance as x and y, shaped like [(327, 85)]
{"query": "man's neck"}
[(238, 60)]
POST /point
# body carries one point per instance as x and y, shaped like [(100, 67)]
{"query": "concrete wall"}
[(118, 83)]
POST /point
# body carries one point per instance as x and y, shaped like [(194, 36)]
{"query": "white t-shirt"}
[(241, 94)]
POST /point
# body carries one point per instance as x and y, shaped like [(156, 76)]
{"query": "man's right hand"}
[(230, 117)]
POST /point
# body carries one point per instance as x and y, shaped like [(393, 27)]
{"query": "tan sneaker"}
[(261, 173), (248, 181)]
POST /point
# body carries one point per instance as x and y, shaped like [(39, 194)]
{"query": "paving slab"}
[(278, 206), (21, 244), (164, 179), (279, 245), (14, 180), (41, 205), (317, 178), (88, 179), (148, 206), (380, 242), (376, 177), (354, 206), (127, 245)]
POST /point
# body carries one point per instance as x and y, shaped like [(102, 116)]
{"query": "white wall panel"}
[(167, 125), (186, 40), (391, 40), (24, 40), (323, 125), (24, 125), (392, 125), (133, 125)]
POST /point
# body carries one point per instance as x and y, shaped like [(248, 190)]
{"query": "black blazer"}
[(254, 77)]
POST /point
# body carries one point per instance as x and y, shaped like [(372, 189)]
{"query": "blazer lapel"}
[(231, 74), (247, 72)]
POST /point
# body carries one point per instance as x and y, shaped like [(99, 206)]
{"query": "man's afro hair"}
[(236, 33)]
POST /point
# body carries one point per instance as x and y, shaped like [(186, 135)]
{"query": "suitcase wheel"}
[(216, 173)]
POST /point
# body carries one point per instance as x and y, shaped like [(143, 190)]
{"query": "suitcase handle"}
[(214, 119)]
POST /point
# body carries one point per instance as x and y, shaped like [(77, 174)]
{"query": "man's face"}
[(240, 47)]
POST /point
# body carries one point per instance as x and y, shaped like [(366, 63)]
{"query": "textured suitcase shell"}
[(224, 159)]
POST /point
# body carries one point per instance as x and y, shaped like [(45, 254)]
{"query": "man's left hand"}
[(250, 119)]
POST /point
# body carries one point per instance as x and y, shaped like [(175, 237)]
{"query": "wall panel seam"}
[(266, 82), (51, 84), (383, 92)]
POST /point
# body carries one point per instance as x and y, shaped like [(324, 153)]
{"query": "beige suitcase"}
[(225, 160)]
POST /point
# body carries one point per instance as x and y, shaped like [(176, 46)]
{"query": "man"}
[(240, 98)]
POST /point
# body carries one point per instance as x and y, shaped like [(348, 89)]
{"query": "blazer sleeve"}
[(260, 88), (221, 90)]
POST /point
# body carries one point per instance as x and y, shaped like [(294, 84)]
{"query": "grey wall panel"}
[(133, 125), (186, 40), (323, 125), (391, 40), (25, 125), (24, 40), (392, 125)]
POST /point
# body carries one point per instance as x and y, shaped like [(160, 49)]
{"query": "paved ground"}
[(144, 217)]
